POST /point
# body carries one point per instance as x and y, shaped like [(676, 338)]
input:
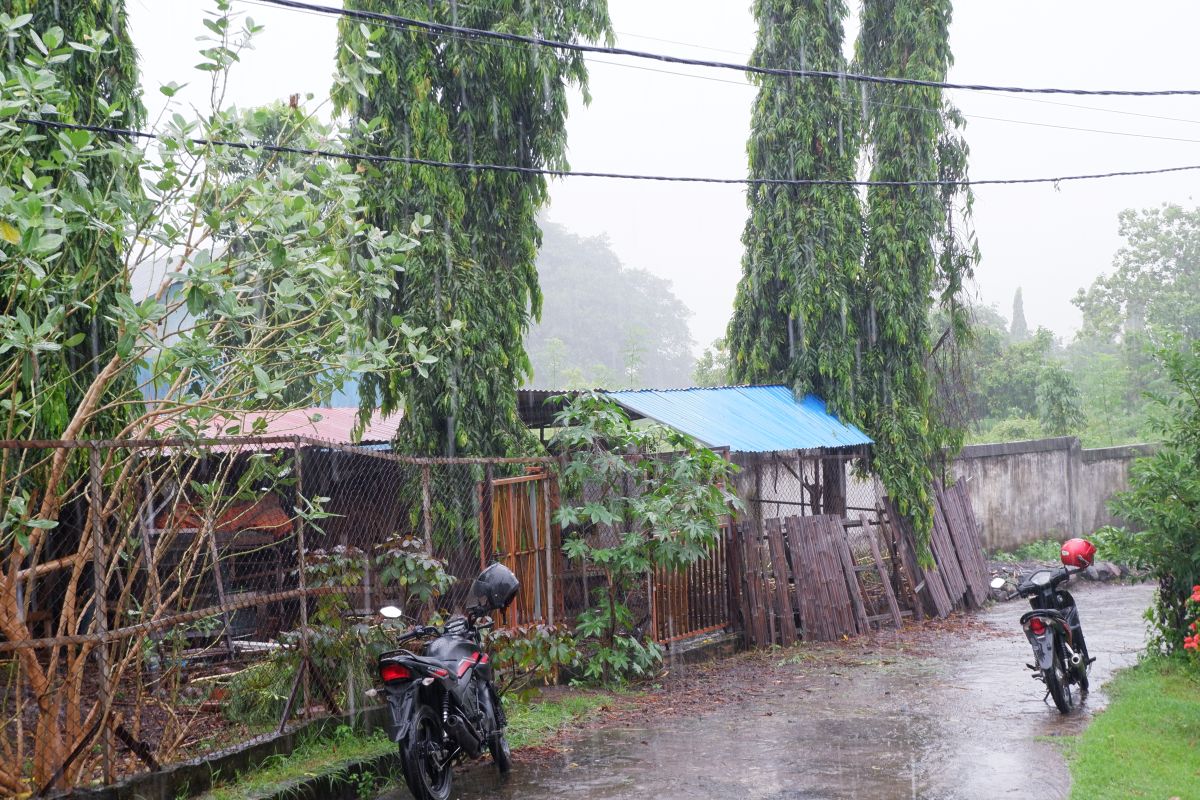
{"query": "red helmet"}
[(1078, 553)]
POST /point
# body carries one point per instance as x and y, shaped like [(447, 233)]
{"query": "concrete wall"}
[(1049, 488)]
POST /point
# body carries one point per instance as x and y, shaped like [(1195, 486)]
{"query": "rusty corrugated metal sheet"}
[(746, 419)]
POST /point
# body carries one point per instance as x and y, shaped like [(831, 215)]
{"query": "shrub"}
[(1163, 504)]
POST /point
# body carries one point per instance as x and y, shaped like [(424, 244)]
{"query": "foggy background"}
[(1051, 241)]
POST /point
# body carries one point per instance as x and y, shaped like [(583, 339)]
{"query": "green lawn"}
[(533, 723), (1147, 742), (529, 724)]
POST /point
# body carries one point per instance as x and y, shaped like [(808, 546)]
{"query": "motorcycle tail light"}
[(394, 672), (1037, 626)]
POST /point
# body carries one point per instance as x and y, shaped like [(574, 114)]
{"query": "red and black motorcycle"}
[(444, 705), (1061, 659)]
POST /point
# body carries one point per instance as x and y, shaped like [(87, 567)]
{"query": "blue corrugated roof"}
[(752, 419)]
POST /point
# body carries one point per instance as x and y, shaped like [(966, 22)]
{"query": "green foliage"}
[(527, 654), (601, 318), (534, 722), (1019, 331), (1149, 300), (712, 368), (1043, 550), (793, 318), (1163, 503), (913, 251), (1013, 429), (402, 561), (620, 656), (86, 44), (634, 499), (455, 99), (821, 306)]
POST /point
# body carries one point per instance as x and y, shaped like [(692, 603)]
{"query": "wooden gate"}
[(517, 530)]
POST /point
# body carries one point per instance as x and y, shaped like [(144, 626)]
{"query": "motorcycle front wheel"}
[(419, 752), (1057, 681)]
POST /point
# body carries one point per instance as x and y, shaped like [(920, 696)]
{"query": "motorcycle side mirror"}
[(391, 612), (998, 583)]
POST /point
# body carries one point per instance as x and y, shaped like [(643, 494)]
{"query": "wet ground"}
[(947, 712)]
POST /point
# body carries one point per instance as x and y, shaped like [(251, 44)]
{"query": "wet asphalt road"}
[(968, 723)]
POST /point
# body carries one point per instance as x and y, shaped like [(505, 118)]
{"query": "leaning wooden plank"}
[(888, 594), (946, 557), (934, 587), (965, 534), (933, 579), (823, 558), (757, 614), (852, 584), (803, 585), (949, 513), (835, 575), (905, 562), (779, 568), (971, 533), (766, 592), (823, 626)]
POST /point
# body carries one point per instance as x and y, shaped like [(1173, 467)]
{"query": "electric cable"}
[(439, 27), (558, 173), (594, 60)]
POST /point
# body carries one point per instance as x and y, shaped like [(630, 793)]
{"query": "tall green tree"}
[(1019, 331), (835, 295), (914, 255), (793, 318), (102, 77), (454, 99)]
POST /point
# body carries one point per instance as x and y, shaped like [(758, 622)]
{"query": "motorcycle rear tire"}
[(1056, 679), (424, 779)]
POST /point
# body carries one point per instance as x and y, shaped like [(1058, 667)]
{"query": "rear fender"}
[(401, 700), (1043, 643)]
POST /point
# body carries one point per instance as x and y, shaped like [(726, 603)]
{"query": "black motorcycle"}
[(443, 703), (1060, 654)]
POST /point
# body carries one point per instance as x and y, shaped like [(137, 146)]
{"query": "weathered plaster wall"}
[(1048, 488)]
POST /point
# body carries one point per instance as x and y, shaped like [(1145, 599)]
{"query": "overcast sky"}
[(1049, 241)]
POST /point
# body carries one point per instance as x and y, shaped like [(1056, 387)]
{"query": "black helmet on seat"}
[(493, 590)]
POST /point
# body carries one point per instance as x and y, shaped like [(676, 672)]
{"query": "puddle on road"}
[(969, 723)]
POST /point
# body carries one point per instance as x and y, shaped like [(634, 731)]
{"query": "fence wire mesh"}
[(165, 600)]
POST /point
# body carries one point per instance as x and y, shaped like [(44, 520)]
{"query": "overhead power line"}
[(592, 60), (559, 173), (439, 27)]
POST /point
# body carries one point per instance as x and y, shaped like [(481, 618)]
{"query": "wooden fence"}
[(694, 601), (820, 578), (519, 532)]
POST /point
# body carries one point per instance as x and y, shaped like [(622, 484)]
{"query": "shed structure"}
[(796, 457)]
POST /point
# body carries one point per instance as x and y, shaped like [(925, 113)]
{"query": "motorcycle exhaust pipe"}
[(463, 735)]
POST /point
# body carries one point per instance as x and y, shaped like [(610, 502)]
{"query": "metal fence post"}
[(302, 580), (100, 606), (427, 508)]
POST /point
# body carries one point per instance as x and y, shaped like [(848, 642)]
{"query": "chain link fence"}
[(164, 600)]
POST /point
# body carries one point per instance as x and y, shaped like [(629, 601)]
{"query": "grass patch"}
[(313, 757), (1044, 550), (534, 722), (1147, 742), (530, 724)]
